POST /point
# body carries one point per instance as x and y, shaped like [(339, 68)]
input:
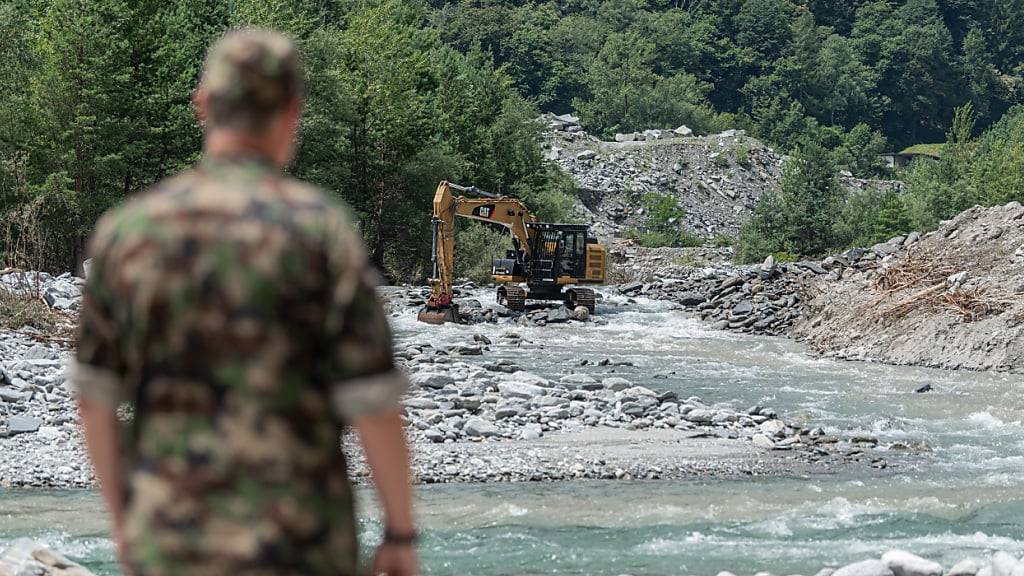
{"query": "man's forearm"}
[(383, 439), (101, 437)]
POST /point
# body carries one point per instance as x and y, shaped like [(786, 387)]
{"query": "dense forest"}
[(404, 93)]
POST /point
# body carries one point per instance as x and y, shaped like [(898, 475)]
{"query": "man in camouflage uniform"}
[(234, 308)]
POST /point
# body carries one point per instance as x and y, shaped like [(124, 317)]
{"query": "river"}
[(964, 497)]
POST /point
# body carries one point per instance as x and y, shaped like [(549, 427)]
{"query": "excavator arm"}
[(503, 211)]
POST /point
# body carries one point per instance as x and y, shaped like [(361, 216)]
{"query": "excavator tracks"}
[(581, 297), (512, 297)]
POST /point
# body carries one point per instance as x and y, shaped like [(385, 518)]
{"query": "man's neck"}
[(228, 144)]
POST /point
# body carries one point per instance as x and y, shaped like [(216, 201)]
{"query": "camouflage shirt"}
[(234, 307)]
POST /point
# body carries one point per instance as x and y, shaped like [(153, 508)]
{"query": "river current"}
[(963, 497)]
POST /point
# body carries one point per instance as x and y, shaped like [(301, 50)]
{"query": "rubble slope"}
[(717, 179), (953, 300)]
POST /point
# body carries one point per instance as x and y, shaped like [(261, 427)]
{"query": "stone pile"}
[(952, 300), (764, 299), (454, 398), (40, 441), (60, 293), (716, 179)]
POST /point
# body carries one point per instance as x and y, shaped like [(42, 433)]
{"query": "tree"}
[(764, 27), (801, 218), (619, 80)]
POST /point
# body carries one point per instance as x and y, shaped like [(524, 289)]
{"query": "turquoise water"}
[(965, 497)]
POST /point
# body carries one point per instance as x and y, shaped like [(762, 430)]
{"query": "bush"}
[(742, 155), (677, 239), (17, 312), (984, 171), (663, 225), (785, 257), (723, 241), (873, 216)]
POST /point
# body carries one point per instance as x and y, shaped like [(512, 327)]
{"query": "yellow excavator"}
[(547, 262)]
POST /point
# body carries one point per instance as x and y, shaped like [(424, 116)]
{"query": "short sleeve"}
[(361, 366), (98, 372)]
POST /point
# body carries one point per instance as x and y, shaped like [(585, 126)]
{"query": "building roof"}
[(931, 150)]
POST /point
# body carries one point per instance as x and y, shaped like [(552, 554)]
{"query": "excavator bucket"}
[(439, 315)]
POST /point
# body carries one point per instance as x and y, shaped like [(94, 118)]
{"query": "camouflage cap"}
[(249, 75)]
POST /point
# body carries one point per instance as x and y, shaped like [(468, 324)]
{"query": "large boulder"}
[(480, 428), (865, 568), (433, 380), (906, 564), (520, 390)]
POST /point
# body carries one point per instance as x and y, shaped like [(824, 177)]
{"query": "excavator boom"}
[(503, 211)]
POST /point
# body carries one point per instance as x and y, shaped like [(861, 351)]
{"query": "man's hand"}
[(383, 439), (395, 560)]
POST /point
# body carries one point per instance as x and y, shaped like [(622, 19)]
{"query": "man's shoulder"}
[(136, 214), (151, 212)]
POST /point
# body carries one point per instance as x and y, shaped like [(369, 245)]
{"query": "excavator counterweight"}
[(547, 261)]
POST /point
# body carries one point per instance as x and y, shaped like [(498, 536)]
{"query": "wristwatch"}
[(400, 538)]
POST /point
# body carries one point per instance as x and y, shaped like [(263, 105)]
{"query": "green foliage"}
[(625, 93), (872, 216), (898, 67), (983, 171), (723, 241), (742, 154), (98, 107), (801, 217), (785, 257), (477, 245), (663, 224)]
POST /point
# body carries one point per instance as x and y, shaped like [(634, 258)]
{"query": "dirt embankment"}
[(954, 300)]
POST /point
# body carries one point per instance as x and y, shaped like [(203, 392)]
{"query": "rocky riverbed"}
[(471, 417)]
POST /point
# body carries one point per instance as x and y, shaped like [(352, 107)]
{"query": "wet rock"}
[(964, 567), (27, 558), (434, 380), (1003, 564), (581, 313), (559, 315), (864, 568), (616, 384), (520, 390), (906, 564)]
